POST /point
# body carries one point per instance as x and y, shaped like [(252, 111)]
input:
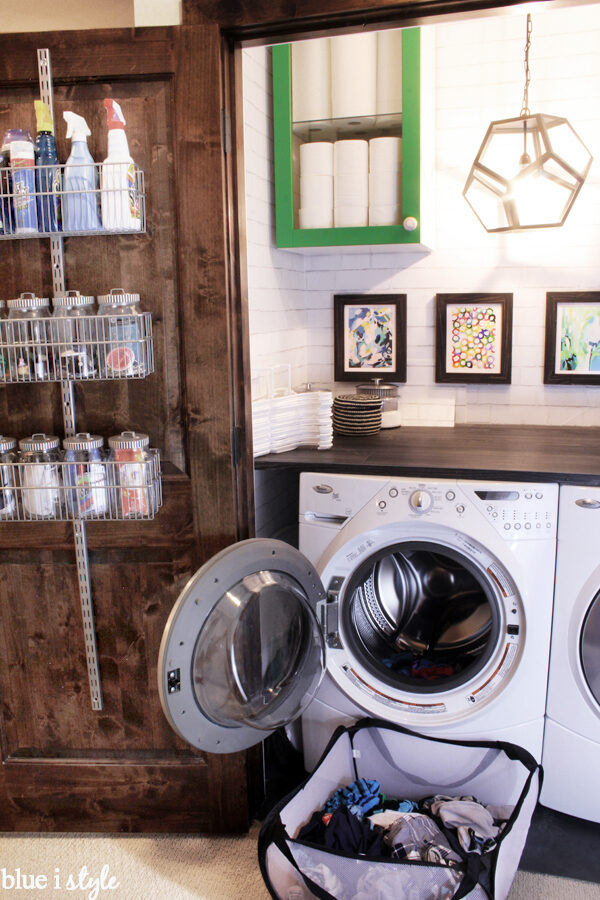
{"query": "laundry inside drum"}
[(421, 616)]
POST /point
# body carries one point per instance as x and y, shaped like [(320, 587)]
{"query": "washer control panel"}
[(529, 511), (516, 511)]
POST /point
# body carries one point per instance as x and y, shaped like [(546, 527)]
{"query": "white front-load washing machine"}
[(423, 602), (571, 755)]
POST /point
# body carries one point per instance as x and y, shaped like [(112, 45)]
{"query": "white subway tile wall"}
[(478, 77)]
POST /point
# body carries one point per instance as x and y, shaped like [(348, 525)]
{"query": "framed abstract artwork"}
[(572, 354), (369, 337), (473, 338)]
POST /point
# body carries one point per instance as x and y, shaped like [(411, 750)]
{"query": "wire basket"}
[(76, 348), (56, 200), (94, 490)]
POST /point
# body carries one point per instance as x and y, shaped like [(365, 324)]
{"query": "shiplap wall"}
[(478, 77)]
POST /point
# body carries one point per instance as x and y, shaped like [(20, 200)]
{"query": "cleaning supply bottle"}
[(47, 172), (119, 197), (80, 187), (22, 164)]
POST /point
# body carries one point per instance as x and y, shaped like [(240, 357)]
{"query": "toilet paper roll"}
[(385, 188), (385, 214), (316, 158), (350, 156), (311, 80), (354, 75), (315, 217), (316, 190), (351, 190), (385, 154), (389, 72), (350, 216)]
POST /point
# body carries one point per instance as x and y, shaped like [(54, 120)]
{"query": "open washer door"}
[(242, 652)]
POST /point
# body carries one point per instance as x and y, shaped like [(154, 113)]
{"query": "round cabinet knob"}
[(420, 501), (410, 223)]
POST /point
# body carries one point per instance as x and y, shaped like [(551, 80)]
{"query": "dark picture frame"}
[(473, 338), (369, 337), (572, 343)]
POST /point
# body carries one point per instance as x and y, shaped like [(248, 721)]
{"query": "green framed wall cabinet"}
[(286, 139)]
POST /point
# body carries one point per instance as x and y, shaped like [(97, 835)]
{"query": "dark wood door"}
[(65, 766)]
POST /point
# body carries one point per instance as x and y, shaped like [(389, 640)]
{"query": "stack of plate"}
[(356, 414)]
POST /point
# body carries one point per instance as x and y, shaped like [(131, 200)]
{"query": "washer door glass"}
[(590, 648), (242, 653), (422, 617)]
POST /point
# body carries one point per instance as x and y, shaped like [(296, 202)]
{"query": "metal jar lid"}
[(28, 301), (83, 440), (72, 298), (39, 442), (118, 297), (376, 389), (128, 440), (7, 443)]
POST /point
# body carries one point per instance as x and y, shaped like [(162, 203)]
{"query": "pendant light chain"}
[(525, 111)]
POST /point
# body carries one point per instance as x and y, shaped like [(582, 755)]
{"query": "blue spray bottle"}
[(47, 172), (80, 182)]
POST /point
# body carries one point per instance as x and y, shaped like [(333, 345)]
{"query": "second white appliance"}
[(571, 756)]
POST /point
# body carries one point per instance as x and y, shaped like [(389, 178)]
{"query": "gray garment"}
[(473, 822)]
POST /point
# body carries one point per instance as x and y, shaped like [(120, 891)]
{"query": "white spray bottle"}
[(80, 185), (119, 197)]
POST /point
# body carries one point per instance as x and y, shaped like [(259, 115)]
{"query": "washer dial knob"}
[(420, 501)]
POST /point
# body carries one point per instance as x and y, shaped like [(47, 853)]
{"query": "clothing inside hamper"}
[(359, 819)]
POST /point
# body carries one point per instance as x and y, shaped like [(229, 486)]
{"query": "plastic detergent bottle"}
[(47, 172), (22, 164), (80, 188), (119, 198)]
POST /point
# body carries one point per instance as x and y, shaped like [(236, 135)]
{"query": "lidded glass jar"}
[(27, 337), (8, 496), (391, 416), (85, 479), (123, 336), (40, 476), (132, 475), (73, 334)]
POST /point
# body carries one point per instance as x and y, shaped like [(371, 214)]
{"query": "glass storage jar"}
[(84, 475), (8, 495), (391, 416), (73, 335), (40, 476), (27, 338), (132, 475), (122, 334)]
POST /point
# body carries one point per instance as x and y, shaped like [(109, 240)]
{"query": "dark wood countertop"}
[(511, 452)]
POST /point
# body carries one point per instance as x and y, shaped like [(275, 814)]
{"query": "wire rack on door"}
[(76, 348), (70, 349), (27, 210), (97, 490)]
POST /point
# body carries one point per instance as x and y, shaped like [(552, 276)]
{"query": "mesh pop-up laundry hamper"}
[(409, 766)]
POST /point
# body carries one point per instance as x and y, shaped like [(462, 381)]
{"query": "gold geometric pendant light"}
[(528, 171)]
